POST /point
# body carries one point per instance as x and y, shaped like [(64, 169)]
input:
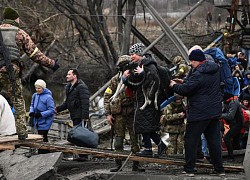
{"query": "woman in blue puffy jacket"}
[(42, 110)]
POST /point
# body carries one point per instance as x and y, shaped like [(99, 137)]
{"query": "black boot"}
[(118, 163), (137, 167), (161, 148), (22, 137)]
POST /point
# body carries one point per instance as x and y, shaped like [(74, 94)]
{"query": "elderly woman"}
[(42, 110)]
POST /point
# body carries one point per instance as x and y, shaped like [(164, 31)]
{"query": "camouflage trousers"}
[(123, 123), (176, 143), (18, 101)]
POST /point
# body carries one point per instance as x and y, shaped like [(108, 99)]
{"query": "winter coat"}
[(245, 94), (246, 79), (232, 113), (202, 88), (77, 101), (43, 103), (7, 120), (147, 120)]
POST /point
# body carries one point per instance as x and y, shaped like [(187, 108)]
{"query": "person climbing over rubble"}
[(42, 110), (16, 41), (120, 115), (145, 78)]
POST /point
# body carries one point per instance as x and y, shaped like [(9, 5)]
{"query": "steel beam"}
[(174, 25)]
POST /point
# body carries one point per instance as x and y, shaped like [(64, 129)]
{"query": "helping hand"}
[(55, 67)]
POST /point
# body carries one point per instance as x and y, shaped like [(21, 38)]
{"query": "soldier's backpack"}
[(229, 83), (165, 76)]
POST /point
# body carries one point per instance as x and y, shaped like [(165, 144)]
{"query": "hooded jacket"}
[(232, 113), (44, 104), (202, 88)]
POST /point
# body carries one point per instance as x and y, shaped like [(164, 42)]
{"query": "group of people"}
[(42, 109), (203, 112), (200, 86)]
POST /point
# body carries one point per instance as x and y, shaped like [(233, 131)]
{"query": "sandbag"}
[(83, 137)]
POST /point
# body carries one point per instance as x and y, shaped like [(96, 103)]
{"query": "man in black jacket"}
[(233, 116), (77, 102), (202, 88), (77, 98)]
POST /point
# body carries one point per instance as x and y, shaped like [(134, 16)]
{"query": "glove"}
[(55, 67), (31, 114), (38, 115)]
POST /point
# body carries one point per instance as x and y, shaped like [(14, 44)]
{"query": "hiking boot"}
[(118, 163), (145, 153), (161, 148), (137, 167), (22, 137)]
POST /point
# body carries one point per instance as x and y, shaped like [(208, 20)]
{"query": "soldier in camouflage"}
[(120, 114), (173, 123), (16, 40), (182, 68)]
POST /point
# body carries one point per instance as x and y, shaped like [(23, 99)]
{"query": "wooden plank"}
[(14, 138), (105, 154), (4, 147)]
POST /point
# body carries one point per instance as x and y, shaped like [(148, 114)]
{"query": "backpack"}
[(229, 84), (165, 76)]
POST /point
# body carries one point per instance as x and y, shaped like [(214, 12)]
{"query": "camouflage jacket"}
[(172, 122), (122, 100), (26, 45), (182, 71)]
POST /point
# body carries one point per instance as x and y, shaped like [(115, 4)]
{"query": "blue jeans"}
[(147, 139), (211, 130), (204, 145)]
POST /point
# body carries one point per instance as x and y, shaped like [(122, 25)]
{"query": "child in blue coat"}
[(42, 110)]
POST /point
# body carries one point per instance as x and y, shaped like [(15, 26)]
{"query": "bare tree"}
[(94, 37)]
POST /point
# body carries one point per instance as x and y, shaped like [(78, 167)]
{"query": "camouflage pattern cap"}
[(177, 60), (123, 60)]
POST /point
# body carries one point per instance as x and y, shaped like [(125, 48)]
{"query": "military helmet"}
[(124, 59), (177, 60)]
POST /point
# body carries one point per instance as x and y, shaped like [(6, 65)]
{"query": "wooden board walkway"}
[(9, 142), (111, 154)]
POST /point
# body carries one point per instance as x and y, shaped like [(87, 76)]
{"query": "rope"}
[(121, 166)]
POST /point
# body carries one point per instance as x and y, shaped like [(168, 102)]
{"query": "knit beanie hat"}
[(197, 55), (193, 48), (9, 13), (41, 83), (137, 49)]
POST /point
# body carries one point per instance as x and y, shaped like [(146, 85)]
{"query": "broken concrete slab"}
[(18, 167)]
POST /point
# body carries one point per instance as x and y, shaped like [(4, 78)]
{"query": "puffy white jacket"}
[(7, 120)]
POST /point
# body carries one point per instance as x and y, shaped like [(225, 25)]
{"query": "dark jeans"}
[(147, 139), (211, 130), (44, 133), (233, 133)]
